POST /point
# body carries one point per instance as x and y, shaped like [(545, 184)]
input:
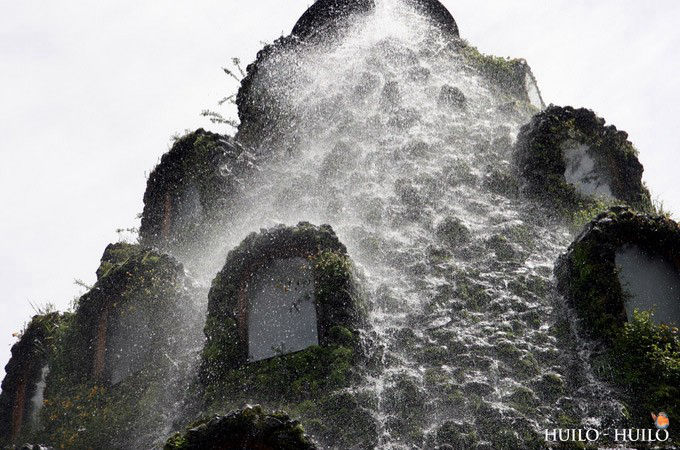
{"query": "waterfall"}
[(376, 140)]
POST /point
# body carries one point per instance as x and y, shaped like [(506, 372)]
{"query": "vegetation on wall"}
[(202, 164), (37, 345), (82, 408), (250, 427), (638, 356), (507, 74), (644, 362), (290, 381), (540, 161)]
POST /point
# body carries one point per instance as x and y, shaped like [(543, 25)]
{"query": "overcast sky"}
[(91, 92)]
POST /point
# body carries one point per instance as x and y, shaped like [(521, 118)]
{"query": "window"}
[(281, 309)]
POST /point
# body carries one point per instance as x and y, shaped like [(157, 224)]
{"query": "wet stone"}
[(395, 54), (367, 85), (419, 74), (502, 183), (404, 118), (341, 158), (456, 435), (390, 98), (502, 247), (478, 388), (451, 97), (453, 231)]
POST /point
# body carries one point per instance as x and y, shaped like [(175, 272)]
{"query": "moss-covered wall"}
[(307, 383), (129, 277), (509, 75), (82, 408), (258, 112), (338, 304), (640, 357), (249, 428), (205, 162), (644, 363), (30, 355), (539, 158), (587, 273)]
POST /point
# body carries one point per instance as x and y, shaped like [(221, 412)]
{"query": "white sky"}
[(91, 92)]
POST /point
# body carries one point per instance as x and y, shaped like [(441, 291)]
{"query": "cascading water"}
[(38, 397), (376, 140), (424, 316)]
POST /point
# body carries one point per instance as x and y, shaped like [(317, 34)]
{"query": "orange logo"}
[(661, 421)]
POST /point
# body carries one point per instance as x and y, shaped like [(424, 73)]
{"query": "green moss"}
[(37, 345), (587, 274), (340, 309), (507, 74), (640, 357), (502, 247), (293, 377), (305, 382), (645, 363), (456, 435), (501, 70), (341, 421), (528, 366), (207, 163), (177, 441), (308, 384), (114, 256), (86, 416), (550, 386), (540, 160), (568, 421), (334, 280), (453, 232), (588, 211), (92, 414), (250, 427), (473, 294), (593, 279), (82, 409), (523, 399)]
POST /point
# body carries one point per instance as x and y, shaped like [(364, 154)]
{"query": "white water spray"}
[(467, 325)]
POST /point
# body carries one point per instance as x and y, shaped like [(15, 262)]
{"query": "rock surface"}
[(451, 97)]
